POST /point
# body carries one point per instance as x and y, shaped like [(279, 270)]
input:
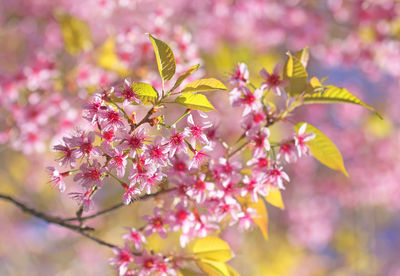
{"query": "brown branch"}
[(56, 220), (146, 117), (43, 216)]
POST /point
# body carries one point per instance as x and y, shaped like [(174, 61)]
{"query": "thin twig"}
[(146, 117), (56, 220), (43, 216), (237, 150), (99, 241)]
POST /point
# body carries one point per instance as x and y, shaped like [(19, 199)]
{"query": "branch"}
[(119, 205), (43, 216), (56, 220)]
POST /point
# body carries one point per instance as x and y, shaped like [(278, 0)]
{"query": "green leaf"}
[(323, 149), (296, 75), (274, 198), (303, 55), (184, 75), (333, 94), (195, 101), (213, 268), (212, 248), (108, 59), (203, 85), (146, 93), (165, 58), (76, 34)]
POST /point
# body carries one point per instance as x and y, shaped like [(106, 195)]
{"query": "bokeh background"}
[(54, 54)]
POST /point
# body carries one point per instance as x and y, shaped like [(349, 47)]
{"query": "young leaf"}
[(212, 248), (195, 101), (184, 75), (76, 34), (203, 85), (146, 93), (274, 198), (165, 58), (296, 75), (212, 268), (323, 149), (108, 59), (303, 55), (262, 219), (333, 94)]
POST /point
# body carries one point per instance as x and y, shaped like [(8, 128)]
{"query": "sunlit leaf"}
[(203, 85), (194, 101), (303, 55), (323, 149), (212, 248), (262, 215), (274, 198), (165, 58), (333, 94), (147, 94), (213, 268), (296, 76), (76, 34), (184, 75), (108, 59)]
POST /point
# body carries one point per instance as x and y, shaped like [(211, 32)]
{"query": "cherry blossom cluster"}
[(187, 160)]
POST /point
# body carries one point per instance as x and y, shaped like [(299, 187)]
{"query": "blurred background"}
[(54, 54)]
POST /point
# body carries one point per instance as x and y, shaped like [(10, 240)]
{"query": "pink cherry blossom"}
[(122, 259), (276, 175), (301, 138), (126, 92), (240, 76), (57, 178), (260, 140), (196, 131), (156, 224), (90, 175), (176, 143), (273, 81), (136, 238)]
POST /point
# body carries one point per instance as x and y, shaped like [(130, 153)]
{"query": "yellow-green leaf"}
[(296, 75), (194, 101), (146, 93), (184, 75), (165, 58), (262, 215), (108, 59), (76, 34), (274, 198), (323, 149), (213, 268), (333, 94), (303, 55), (203, 85), (212, 248)]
